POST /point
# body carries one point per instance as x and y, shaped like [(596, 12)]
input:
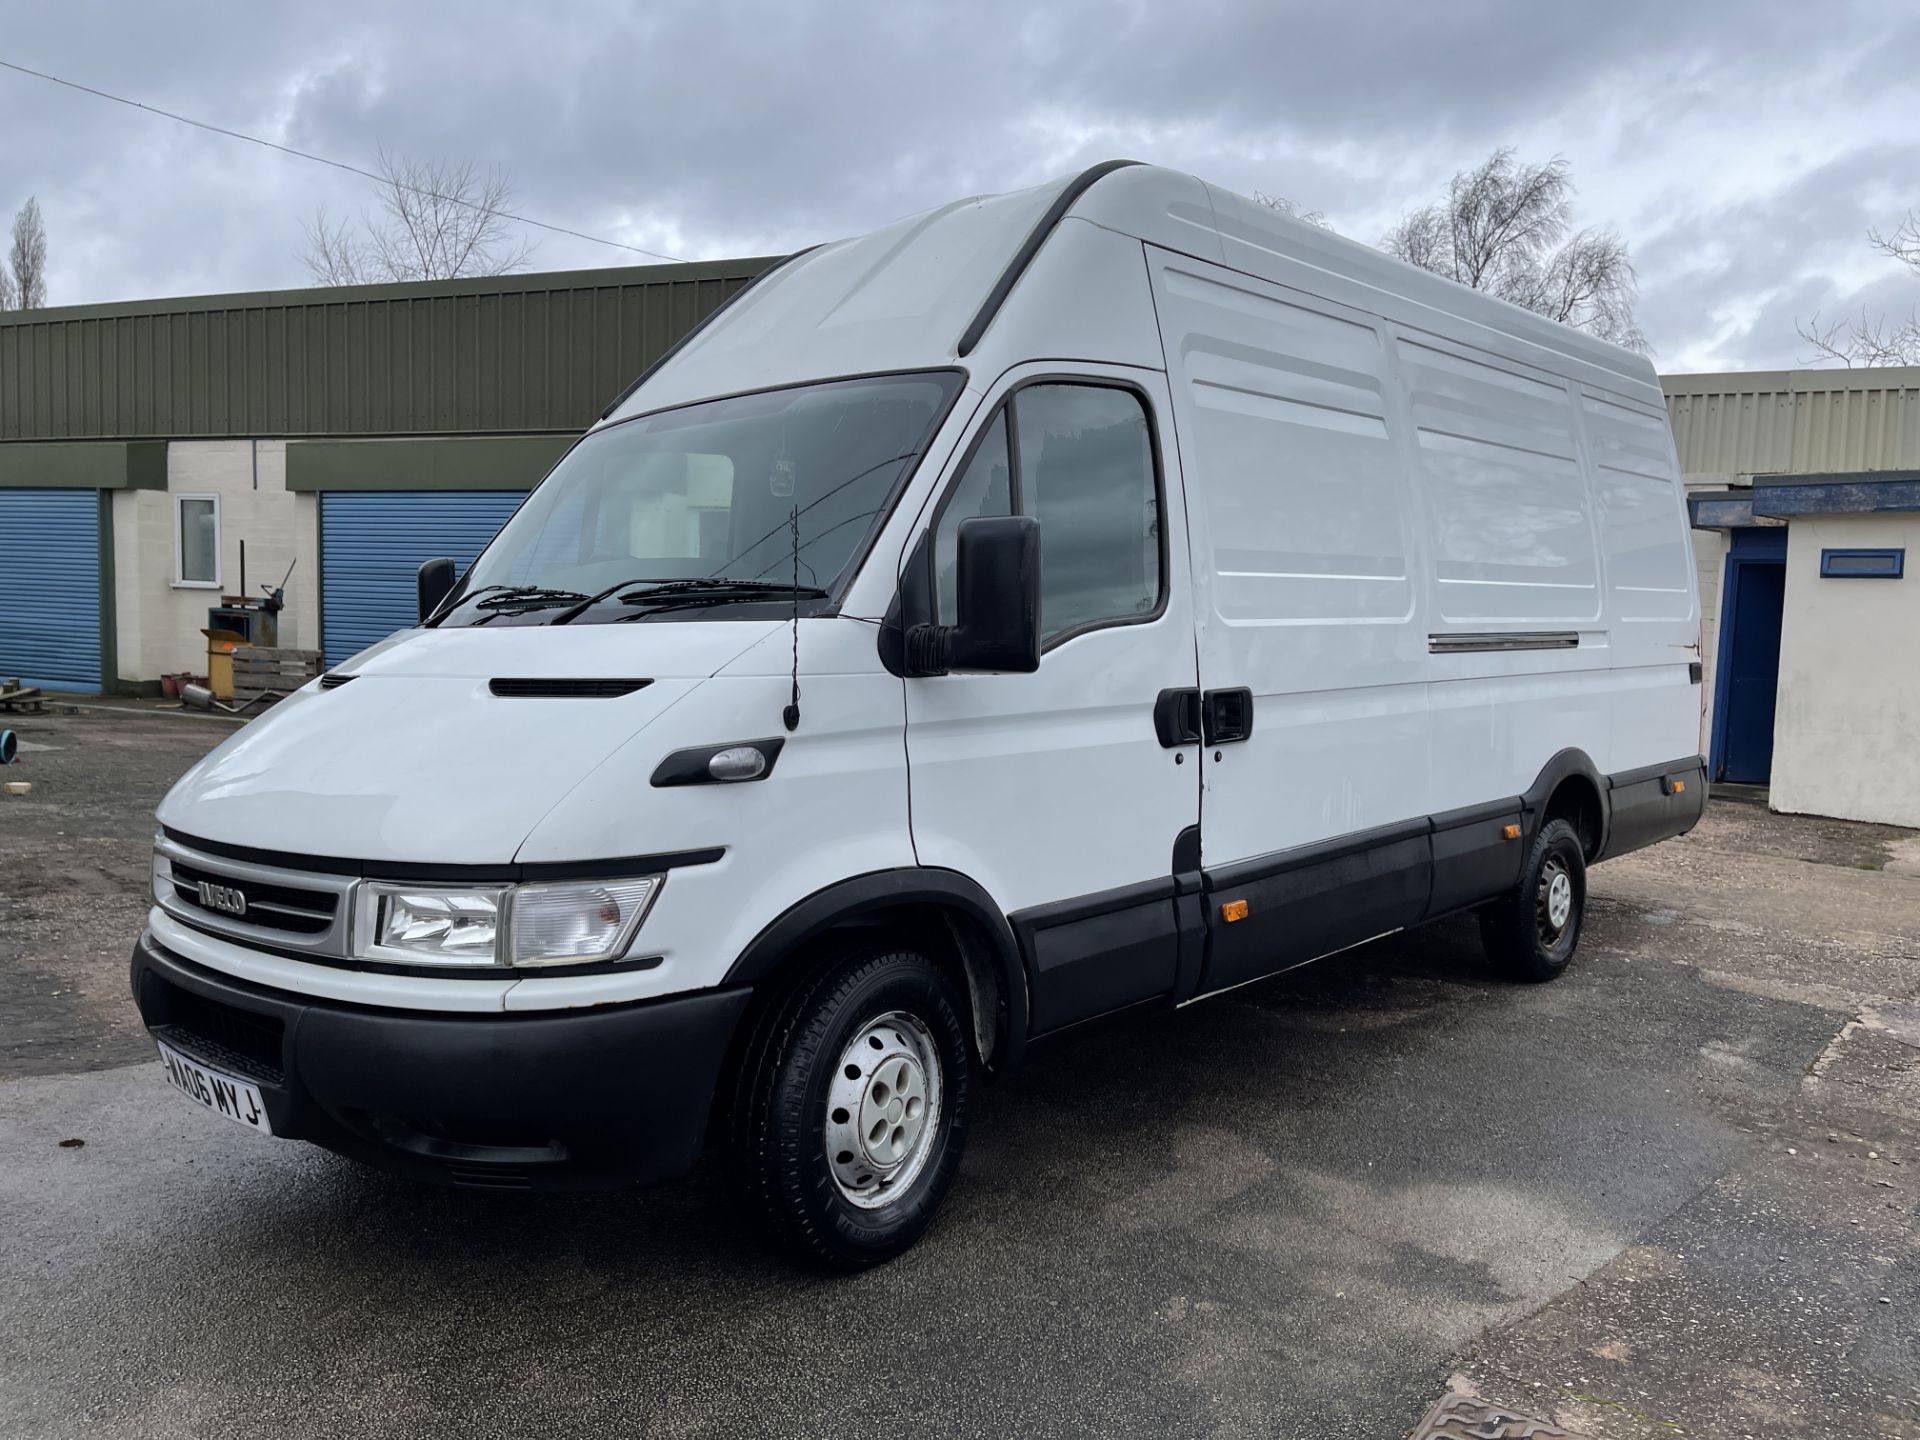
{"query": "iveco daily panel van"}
[(1097, 596)]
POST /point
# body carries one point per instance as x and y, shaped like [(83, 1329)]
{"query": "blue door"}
[(50, 588), (1752, 603), (371, 546)]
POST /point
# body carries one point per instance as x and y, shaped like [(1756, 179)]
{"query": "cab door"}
[(1057, 791)]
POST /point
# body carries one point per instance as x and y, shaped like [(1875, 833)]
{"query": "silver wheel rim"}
[(883, 1110), (1556, 900)]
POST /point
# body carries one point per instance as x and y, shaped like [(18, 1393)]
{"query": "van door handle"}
[(1176, 717), (1227, 715)]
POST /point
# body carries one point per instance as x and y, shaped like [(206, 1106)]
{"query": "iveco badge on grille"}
[(223, 898)]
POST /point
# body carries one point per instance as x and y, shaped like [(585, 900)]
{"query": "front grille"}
[(269, 906), (223, 1037), (295, 911)]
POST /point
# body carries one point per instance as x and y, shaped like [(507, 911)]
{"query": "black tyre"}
[(1531, 933), (849, 1126)]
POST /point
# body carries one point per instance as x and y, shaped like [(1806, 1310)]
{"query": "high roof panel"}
[(896, 299), (904, 296)]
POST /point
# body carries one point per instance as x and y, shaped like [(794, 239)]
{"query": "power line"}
[(337, 164)]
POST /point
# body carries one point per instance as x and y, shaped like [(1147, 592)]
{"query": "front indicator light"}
[(735, 763), (577, 924), (738, 762)]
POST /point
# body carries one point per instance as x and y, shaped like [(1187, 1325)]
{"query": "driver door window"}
[(984, 488), (1080, 459)]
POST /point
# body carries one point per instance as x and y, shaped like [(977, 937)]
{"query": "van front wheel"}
[(1530, 933), (856, 1113)]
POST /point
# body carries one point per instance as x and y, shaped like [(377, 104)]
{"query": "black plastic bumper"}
[(1657, 803), (575, 1099)]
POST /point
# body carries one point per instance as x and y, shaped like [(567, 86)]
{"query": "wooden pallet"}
[(260, 668), (14, 697)]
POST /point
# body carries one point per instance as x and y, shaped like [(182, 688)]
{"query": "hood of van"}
[(417, 759)]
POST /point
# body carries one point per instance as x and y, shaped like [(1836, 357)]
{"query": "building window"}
[(196, 541), (1863, 564)]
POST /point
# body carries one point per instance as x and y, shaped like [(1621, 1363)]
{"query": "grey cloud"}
[(756, 128), (1761, 252)]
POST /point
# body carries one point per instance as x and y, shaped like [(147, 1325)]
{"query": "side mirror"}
[(432, 584), (996, 595)]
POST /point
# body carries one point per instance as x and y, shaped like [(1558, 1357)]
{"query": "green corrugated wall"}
[(514, 353)]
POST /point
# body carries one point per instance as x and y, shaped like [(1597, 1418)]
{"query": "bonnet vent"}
[(334, 682), (565, 689)]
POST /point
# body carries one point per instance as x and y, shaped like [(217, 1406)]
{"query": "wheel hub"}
[(882, 1109), (893, 1110), (1556, 900), (1559, 900)]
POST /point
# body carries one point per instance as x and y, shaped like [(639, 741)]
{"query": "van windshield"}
[(711, 492)]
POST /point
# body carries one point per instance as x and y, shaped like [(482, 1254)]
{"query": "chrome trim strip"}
[(331, 942), (1482, 641), (290, 910)]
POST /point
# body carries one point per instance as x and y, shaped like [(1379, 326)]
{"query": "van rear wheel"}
[(1530, 933), (855, 1114)]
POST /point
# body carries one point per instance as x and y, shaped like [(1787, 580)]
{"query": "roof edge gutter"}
[(1023, 257)]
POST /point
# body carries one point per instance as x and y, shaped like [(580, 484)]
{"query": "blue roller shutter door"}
[(50, 588), (371, 546)]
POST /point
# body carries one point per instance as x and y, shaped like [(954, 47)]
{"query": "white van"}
[(1097, 596)]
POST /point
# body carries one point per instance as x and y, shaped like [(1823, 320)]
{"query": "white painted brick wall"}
[(158, 622)]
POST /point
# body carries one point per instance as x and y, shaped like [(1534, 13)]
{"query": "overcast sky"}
[(1742, 150)]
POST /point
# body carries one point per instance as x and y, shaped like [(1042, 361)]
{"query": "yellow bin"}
[(220, 647)]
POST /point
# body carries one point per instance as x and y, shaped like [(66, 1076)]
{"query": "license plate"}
[(221, 1093)]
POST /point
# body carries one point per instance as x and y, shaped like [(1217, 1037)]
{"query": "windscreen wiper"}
[(652, 604), (705, 590), (527, 594), (499, 597)]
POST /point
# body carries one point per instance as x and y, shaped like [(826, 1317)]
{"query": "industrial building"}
[(352, 433), (344, 435)]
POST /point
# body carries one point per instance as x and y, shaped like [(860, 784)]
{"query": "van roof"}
[(924, 291)]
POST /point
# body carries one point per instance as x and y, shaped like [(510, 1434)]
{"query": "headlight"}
[(579, 923), (416, 925), (572, 924)]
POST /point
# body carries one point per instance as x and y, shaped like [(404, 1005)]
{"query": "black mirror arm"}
[(927, 648), (908, 644)]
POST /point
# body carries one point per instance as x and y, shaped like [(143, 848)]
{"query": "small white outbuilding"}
[(1804, 489)]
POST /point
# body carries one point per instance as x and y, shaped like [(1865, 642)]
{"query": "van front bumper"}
[(574, 1099)]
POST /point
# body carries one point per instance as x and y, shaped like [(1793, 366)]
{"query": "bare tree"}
[(1507, 228), (1315, 218), (28, 258), (9, 296), (1873, 340), (438, 220)]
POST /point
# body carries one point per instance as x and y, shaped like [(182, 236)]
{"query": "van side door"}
[(1310, 617), (1066, 792)]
